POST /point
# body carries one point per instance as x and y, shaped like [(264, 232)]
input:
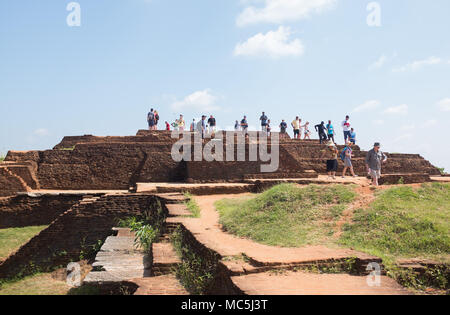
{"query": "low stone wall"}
[(75, 234), (26, 210)]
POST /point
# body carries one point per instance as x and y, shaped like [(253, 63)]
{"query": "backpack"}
[(342, 155), (150, 116)]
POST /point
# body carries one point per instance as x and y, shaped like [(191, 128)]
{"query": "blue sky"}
[(318, 59)]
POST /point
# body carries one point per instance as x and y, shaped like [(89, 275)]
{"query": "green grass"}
[(38, 284), (192, 205), (2, 158), (404, 222), (287, 215), (11, 239)]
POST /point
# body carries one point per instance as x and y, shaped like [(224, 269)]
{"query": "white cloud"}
[(279, 11), (403, 137), (367, 106), (378, 122), (397, 110), (419, 64), (444, 105), (379, 63), (200, 100), (41, 132), (429, 123), (382, 61), (408, 127), (273, 44)]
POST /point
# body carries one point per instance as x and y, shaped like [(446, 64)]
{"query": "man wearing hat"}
[(374, 159)]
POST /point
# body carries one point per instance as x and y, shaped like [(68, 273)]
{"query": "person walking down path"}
[(296, 126), (307, 131), (374, 159), (331, 154), (321, 129), (330, 130), (347, 128), (151, 119), (244, 125), (346, 157), (353, 136), (263, 120), (212, 124)]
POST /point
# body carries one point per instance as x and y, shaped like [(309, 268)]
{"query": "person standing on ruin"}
[(236, 126), (347, 128), (151, 119), (346, 156), (283, 127), (374, 159), (193, 125), (296, 126), (212, 124), (181, 123), (155, 127), (353, 136), (244, 125), (330, 130), (331, 153), (268, 127), (263, 120), (321, 130), (307, 131)]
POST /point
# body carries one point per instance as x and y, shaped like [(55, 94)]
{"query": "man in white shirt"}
[(347, 128)]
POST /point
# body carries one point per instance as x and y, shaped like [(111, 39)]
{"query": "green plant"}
[(442, 170), (146, 235), (88, 251), (192, 205), (196, 271)]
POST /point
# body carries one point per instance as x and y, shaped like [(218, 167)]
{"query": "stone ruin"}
[(85, 184), (119, 163)]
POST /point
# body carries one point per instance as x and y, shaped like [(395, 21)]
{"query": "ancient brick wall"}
[(25, 210), (75, 232), (119, 162), (9, 184), (107, 166)]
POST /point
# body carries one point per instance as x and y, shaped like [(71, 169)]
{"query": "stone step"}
[(160, 285)]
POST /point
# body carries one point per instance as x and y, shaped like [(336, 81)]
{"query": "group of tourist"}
[(326, 133)]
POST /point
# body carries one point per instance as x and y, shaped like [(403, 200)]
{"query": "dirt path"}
[(364, 198), (208, 231)]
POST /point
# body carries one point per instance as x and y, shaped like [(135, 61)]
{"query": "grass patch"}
[(197, 271), (2, 158), (404, 222), (192, 205), (11, 239), (287, 215), (38, 284)]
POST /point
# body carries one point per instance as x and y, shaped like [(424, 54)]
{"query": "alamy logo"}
[(228, 146), (374, 17), (74, 17)]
